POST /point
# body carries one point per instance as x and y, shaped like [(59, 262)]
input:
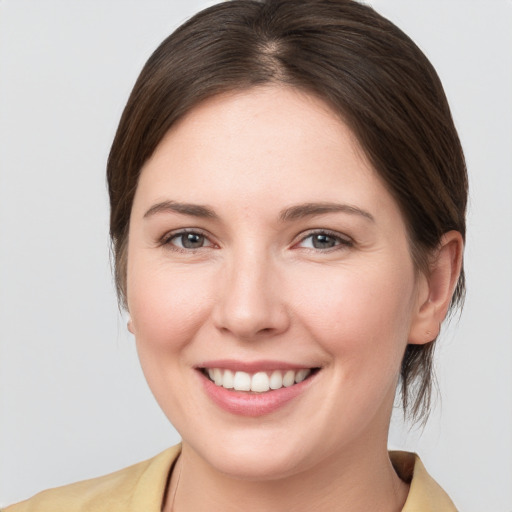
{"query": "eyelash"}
[(341, 242), (167, 239)]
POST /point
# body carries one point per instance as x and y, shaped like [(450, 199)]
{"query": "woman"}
[(288, 196)]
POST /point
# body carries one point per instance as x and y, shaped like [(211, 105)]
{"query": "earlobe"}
[(436, 289), (129, 325)]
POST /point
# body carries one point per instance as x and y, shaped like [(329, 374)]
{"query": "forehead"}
[(262, 146)]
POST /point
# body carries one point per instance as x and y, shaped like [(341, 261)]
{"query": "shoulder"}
[(425, 494), (135, 488)]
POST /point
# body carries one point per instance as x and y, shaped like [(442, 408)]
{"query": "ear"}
[(435, 290), (129, 325)]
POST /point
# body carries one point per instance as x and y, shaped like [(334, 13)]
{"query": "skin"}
[(257, 288)]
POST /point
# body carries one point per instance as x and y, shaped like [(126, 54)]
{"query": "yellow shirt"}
[(140, 488)]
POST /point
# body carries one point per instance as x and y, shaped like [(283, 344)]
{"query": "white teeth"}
[(289, 379), (229, 379), (301, 375), (276, 380), (242, 381), (259, 382), (217, 376)]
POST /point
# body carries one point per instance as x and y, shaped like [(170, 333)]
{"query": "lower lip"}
[(253, 404)]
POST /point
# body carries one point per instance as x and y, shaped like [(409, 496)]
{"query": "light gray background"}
[(73, 401)]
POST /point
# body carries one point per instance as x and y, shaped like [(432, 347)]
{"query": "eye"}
[(187, 240), (324, 240)]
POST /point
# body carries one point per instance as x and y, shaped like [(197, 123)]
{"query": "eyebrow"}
[(312, 209), (288, 214), (194, 210)]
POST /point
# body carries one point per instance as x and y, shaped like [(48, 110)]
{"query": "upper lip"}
[(253, 366)]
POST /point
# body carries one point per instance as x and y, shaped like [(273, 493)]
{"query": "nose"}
[(251, 302)]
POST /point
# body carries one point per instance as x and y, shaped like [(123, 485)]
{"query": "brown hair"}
[(362, 65)]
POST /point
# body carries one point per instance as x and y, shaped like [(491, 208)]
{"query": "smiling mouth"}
[(258, 382)]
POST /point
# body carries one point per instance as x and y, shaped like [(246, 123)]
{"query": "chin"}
[(252, 460)]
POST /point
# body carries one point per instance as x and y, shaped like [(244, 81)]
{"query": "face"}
[(266, 254)]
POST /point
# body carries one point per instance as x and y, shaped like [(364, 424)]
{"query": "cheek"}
[(167, 306), (167, 309), (361, 315)]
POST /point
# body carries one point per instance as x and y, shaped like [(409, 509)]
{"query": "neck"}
[(353, 482)]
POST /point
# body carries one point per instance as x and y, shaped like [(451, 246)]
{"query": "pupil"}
[(192, 241), (323, 241)]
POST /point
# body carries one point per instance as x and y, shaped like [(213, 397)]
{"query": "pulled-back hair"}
[(364, 67)]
